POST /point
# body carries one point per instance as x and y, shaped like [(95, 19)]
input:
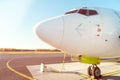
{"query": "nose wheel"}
[(94, 71)]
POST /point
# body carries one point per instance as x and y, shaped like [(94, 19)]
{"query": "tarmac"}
[(13, 66), (27, 67), (74, 71)]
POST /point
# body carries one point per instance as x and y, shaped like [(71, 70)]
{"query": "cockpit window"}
[(87, 12), (93, 12), (71, 12), (84, 11)]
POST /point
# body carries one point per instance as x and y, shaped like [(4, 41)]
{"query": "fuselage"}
[(84, 31)]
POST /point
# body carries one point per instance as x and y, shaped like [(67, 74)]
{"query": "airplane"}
[(91, 34)]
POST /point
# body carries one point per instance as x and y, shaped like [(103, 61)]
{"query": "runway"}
[(20, 63)]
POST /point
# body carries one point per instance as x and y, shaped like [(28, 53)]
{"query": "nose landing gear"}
[(94, 71)]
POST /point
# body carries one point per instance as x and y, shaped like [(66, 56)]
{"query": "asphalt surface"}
[(20, 61)]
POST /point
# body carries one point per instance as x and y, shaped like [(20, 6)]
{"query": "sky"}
[(17, 18)]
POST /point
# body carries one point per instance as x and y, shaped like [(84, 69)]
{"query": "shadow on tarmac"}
[(111, 78)]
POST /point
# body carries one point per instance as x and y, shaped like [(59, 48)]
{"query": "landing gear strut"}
[(94, 71)]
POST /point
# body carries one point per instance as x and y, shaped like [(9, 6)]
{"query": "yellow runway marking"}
[(112, 73), (84, 76), (104, 75), (19, 73)]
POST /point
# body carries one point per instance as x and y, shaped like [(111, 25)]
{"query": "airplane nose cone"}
[(50, 31)]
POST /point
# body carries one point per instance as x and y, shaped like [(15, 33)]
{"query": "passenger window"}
[(71, 12)]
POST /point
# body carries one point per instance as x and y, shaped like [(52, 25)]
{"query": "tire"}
[(97, 73), (90, 70)]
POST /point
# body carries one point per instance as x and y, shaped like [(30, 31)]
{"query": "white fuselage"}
[(93, 35)]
